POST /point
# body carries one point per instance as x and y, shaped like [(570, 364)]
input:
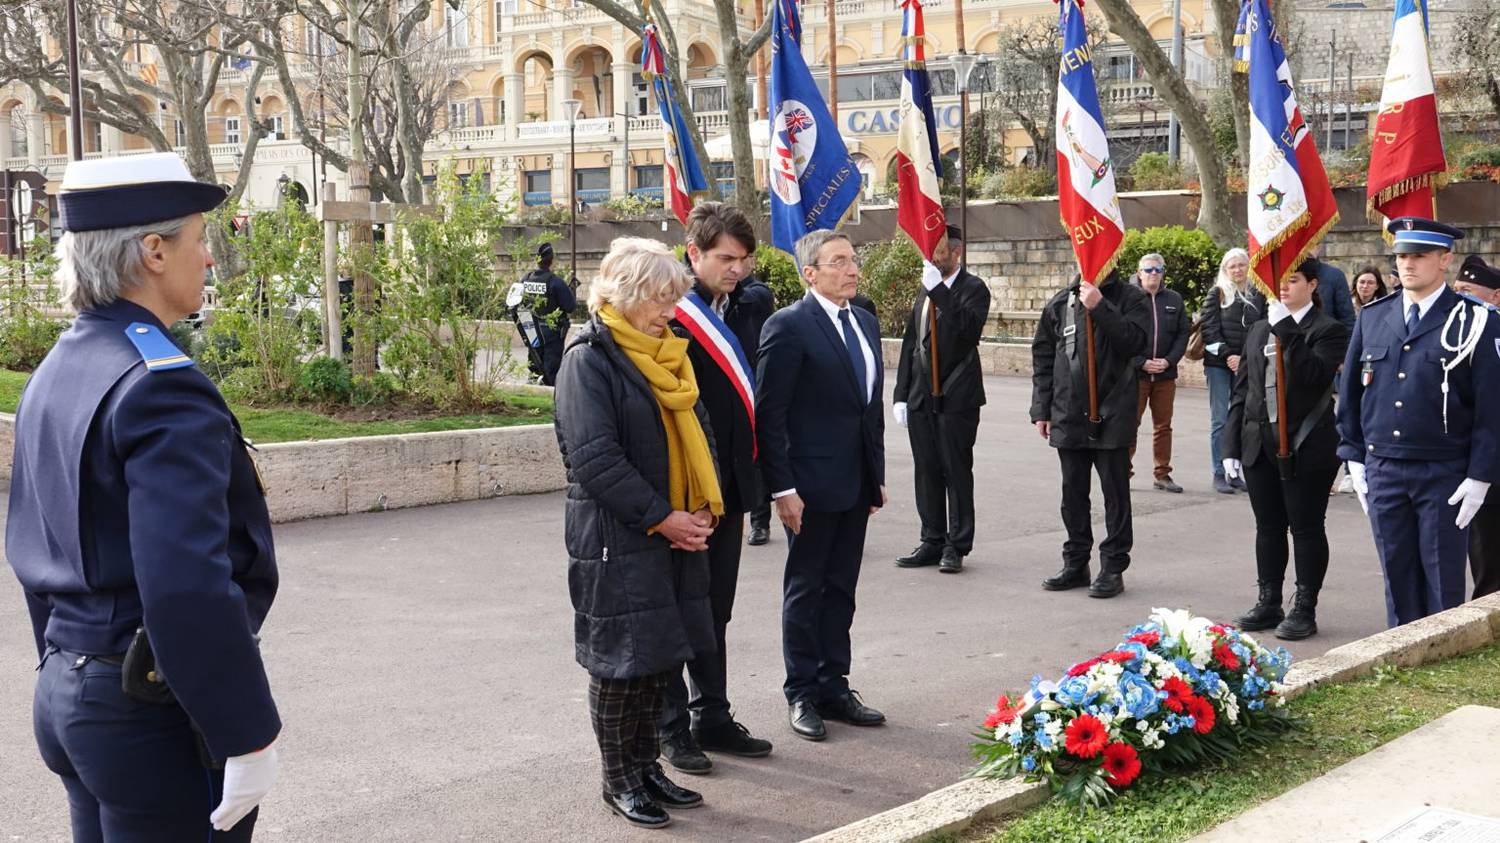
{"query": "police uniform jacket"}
[(1059, 378), (1313, 350), (1390, 395), (962, 312), (553, 295), (134, 502)]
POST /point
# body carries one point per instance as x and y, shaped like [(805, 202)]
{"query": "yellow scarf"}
[(693, 479)]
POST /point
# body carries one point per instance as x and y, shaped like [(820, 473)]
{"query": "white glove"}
[(931, 275), (1469, 496), (1357, 479), (1234, 469), (247, 780), (898, 410), (1276, 311)]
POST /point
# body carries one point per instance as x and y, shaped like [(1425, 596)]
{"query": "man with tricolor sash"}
[(713, 317)]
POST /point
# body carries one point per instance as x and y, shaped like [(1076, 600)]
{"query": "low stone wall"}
[(7, 445)]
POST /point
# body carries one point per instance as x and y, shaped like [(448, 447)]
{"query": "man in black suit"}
[(821, 433), (721, 255), (943, 423)]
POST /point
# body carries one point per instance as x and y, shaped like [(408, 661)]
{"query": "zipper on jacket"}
[(1155, 331)]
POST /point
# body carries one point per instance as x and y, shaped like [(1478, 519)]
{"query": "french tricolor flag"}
[(683, 180), (1406, 153), (918, 166), (1086, 196)]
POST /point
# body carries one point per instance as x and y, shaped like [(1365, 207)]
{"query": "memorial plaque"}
[(1442, 825)]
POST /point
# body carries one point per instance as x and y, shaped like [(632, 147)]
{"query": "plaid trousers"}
[(627, 715)]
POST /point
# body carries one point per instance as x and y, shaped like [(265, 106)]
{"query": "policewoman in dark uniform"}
[(1292, 497), (554, 300), (139, 531), (1419, 422)]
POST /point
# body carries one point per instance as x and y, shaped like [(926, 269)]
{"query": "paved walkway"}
[(423, 658)]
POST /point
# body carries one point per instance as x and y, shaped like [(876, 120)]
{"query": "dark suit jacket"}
[(1314, 350), (962, 312), (817, 433)]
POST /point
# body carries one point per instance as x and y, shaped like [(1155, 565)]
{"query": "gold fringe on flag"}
[(1436, 181), (1277, 242)]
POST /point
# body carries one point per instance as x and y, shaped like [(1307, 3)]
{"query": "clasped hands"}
[(687, 530)]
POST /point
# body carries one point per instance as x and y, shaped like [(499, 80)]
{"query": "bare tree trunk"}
[(737, 57), (361, 238), (1213, 209), (1226, 16)]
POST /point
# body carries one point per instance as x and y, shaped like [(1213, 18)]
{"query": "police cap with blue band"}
[(1418, 234), (132, 190)]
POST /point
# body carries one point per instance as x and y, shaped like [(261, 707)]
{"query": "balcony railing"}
[(559, 128)]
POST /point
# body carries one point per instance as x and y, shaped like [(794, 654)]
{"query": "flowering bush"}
[(1178, 689)]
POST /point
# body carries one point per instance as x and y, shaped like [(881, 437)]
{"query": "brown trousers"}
[(1159, 396)]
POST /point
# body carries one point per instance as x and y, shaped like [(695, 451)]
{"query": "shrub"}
[(1155, 171), (1192, 258), (1481, 163), (379, 388), (779, 272), (891, 276), (27, 331), (326, 380), (1027, 182), (632, 207)]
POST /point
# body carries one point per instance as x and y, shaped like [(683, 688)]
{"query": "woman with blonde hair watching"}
[(1231, 307), (643, 498)]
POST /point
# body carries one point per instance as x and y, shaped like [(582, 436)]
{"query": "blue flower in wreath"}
[(1137, 651), (1172, 724), (1044, 741), (1210, 681), (1041, 718), (1257, 705), (1187, 669), (1139, 695), (1028, 763), (1074, 690), (1016, 738)]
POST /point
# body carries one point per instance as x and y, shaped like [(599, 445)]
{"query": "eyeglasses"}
[(1154, 270), (841, 263)]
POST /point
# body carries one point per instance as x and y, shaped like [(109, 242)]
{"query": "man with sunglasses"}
[(1157, 366)]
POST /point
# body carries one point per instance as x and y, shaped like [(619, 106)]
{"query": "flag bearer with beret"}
[(138, 529), (1419, 423)]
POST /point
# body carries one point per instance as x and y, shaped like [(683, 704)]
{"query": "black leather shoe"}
[(639, 808), (1068, 577), (1239, 483), (806, 722), (952, 562), (733, 739), (850, 709), (1222, 486), (1167, 484), (1266, 613), (925, 555), (682, 752), (758, 536), (1107, 585), (1302, 621), (669, 793)]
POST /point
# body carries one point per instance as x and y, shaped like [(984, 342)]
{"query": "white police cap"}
[(132, 190)]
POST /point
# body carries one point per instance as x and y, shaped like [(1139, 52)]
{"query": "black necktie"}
[(851, 343), (1413, 316)]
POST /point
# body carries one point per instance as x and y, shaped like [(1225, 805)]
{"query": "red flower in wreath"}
[(1150, 639), (1121, 764), (1178, 694), (1225, 656), (1203, 714), (1118, 656), (1082, 667), (1003, 714), (1085, 736)]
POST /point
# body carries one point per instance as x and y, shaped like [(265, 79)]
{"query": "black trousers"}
[(708, 704), (552, 352), (817, 609), (1113, 467), (1484, 546), (942, 450), (1297, 505), (625, 713), (761, 516)]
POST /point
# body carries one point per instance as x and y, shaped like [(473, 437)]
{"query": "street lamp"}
[(573, 108), (963, 65)]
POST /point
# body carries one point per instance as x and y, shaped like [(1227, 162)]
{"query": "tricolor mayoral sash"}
[(722, 346)]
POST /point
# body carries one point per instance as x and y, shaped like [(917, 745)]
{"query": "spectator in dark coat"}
[(1120, 314), (1334, 284), (643, 497), (1157, 366), (1231, 307)]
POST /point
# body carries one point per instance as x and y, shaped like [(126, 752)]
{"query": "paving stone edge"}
[(957, 806)]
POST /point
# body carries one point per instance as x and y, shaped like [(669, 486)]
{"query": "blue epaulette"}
[(1477, 303), (156, 349)]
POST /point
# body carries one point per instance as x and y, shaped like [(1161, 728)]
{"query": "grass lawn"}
[(283, 424), (1340, 722)]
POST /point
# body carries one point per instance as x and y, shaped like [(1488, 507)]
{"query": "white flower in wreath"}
[(1173, 622)]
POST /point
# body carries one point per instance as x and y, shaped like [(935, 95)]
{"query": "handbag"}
[(1195, 347)]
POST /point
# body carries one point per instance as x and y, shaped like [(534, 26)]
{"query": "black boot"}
[(1303, 621), (1266, 613), (1071, 576)]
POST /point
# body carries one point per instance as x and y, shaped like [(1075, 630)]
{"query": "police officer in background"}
[(554, 301), (1419, 423), (138, 529), (1481, 282)]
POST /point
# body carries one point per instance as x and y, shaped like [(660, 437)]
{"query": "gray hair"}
[(1152, 256), (812, 243), (95, 267), (638, 270), (1225, 285)]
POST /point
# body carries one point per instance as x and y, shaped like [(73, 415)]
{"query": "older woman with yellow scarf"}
[(643, 498)]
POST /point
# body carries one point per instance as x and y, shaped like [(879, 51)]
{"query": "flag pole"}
[(833, 60), (1093, 376), (1284, 450)]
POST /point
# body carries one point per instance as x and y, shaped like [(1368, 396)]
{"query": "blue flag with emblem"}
[(814, 182)]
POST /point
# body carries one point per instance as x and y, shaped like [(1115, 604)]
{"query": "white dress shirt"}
[(1422, 306)]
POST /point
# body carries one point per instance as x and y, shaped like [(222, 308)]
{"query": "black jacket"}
[(963, 310), (733, 429), (1228, 324), (1314, 350), (1059, 384), (550, 294), (1167, 335), (639, 607)]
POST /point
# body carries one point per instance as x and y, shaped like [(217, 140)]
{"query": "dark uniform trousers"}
[(822, 572), (132, 770), (1484, 546), (625, 713), (710, 697), (1298, 506), (552, 352), (1421, 549), (1113, 466), (942, 447)]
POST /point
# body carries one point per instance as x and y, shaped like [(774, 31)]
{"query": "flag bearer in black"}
[(942, 414), (1120, 315), (1290, 495)]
